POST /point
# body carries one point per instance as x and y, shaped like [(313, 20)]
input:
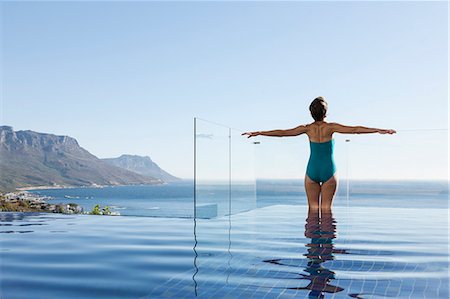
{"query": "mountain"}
[(29, 159), (141, 165)]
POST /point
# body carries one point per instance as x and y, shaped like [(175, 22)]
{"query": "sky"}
[(129, 77)]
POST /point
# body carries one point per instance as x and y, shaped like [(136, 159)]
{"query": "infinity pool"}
[(272, 252)]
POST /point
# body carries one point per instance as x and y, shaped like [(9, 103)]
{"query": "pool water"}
[(277, 251)]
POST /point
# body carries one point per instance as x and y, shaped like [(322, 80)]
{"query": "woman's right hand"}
[(251, 134), (387, 131)]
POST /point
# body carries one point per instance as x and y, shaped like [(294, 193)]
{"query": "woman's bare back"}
[(320, 131)]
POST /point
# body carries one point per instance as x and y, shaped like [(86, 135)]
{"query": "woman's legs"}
[(312, 192), (321, 196), (328, 191)]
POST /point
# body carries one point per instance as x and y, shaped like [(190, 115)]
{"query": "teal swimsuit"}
[(321, 165)]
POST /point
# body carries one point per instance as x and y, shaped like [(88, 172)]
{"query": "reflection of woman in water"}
[(320, 228), (320, 177)]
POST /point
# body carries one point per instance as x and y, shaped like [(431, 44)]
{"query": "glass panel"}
[(368, 165), (224, 170), (411, 162)]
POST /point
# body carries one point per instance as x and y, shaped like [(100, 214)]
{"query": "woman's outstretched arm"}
[(338, 128), (279, 133)]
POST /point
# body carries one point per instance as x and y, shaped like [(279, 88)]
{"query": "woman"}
[(320, 178)]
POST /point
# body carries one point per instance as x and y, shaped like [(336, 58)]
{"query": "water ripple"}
[(270, 252)]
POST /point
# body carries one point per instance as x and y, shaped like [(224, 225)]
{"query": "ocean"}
[(176, 199)]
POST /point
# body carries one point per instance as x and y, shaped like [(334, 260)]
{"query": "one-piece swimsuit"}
[(321, 166)]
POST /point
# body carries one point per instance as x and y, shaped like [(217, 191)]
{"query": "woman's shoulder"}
[(322, 128), (327, 124)]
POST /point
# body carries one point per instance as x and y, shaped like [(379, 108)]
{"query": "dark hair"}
[(318, 108)]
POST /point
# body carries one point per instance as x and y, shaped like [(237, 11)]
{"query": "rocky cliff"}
[(141, 165), (30, 159)]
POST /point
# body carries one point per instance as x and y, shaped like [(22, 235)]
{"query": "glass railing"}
[(371, 169), (224, 175), (411, 164), (235, 174)]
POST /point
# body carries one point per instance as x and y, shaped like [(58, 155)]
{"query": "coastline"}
[(81, 186), (58, 187), (24, 201), (41, 188)]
